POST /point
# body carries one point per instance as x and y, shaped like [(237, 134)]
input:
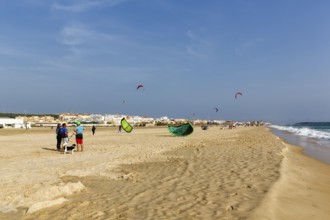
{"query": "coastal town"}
[(106, 120)]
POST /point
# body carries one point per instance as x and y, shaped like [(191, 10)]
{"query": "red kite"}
[(238, 93), (139, 86)]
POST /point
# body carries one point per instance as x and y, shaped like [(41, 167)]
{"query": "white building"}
[(11, 123)]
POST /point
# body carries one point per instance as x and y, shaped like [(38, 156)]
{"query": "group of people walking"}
[(62, 136)]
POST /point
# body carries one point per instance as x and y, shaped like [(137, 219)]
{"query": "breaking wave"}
[(304, 131)]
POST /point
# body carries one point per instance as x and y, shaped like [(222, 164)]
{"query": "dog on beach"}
[(69, 148)]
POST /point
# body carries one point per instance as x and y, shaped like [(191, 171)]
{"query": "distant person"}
[(65, 136), (119, 129), (93, 129), (79, 137), (58, 136)]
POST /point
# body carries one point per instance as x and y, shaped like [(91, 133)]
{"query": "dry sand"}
[(245, 173)]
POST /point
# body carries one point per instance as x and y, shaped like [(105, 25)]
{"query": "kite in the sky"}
[(139, 86), (238, 93), (216, 109)]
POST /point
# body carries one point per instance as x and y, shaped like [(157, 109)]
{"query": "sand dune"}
[(149, 174)]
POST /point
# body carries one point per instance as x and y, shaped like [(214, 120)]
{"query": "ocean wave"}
[(303, 131)]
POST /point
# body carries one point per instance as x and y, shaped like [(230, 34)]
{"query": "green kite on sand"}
[(181, 130), (125, 125)]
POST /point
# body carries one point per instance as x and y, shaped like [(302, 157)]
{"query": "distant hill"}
[(14, 115)]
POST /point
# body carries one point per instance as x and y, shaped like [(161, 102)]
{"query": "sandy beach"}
[(243, 173)]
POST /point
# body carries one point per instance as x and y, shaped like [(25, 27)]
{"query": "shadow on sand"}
[(51, 149)]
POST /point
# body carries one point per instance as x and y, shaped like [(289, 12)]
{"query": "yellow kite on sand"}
[(125, 125)]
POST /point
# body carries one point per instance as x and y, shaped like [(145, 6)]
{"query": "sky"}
[(89, 56)]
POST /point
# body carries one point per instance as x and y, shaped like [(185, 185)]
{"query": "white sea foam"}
[(303, 131)]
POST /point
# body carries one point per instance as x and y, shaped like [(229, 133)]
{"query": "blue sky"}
[(88, 56)]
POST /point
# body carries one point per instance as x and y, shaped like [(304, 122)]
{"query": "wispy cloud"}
[(248, 46), (86, 39), (197, 46), (77, 34), (194, 53), (84, 5), (72, 35), (194, 37), (82, 42)]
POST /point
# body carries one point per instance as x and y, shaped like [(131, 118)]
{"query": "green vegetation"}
[(14, 115)]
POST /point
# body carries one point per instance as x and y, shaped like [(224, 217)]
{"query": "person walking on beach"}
[(65, 136), (58, 137), (79, 137), (93, 129), (119, 129)]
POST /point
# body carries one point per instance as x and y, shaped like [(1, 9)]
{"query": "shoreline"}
[(225, 174), (311, 147), (302, 192)]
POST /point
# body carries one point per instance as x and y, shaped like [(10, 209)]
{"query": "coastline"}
[(227, 174), (302, 192), (317, 149)]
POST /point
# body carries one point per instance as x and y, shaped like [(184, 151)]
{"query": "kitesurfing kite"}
[(139, 86), (181, 130), (238, 93), (216, 109), (125, 125)]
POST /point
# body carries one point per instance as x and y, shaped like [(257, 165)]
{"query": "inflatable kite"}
[(139, 86), (125, 125), (181, 130), (238, 93)]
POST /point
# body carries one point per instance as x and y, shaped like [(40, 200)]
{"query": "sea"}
[(314, 137)]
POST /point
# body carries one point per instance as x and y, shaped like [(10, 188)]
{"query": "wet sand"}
[(149, 174), (318, 149)]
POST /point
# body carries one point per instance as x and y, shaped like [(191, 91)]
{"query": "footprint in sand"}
[(197, 152)]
